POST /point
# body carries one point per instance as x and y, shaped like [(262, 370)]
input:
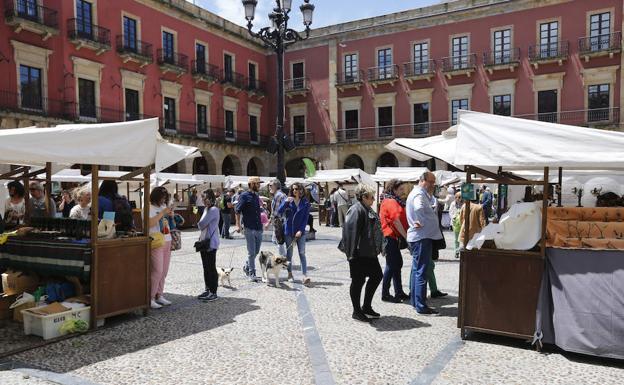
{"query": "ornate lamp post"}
[(278, 37)]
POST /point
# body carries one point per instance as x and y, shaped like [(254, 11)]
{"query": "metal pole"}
[(279, 131)]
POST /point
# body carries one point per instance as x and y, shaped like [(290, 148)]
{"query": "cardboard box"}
[(17, 311), (5, 302), (16, 282)]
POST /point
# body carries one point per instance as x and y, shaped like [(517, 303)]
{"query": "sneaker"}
[(291, 278), (253, 278), (389, 298), (438, 294), (306, 280), (370, 312), (428, 311), (210, 297), (204, 295), (403, 297), (155, 305), (163, 301), (360, 316), (246, 270)]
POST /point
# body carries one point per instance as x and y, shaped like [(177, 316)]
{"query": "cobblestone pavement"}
[(258, 334)]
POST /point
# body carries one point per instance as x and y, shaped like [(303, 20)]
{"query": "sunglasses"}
[(296, 189)]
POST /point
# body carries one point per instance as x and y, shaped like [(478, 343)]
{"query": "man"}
[(226, 213), (248, 207), (423, 229), (342, 201), (486, 202), (38, 205), (278, 197)]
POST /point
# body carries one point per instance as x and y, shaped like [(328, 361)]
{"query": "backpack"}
[(123, 214)]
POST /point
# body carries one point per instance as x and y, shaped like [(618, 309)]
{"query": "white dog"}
[(272, 264), (224, 275)]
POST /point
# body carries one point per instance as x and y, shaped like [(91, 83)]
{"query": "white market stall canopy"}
[(350, 175), (404, 174), (234, 181), (422, 149), (133, 144)]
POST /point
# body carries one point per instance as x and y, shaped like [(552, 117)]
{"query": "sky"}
[(326, 12)]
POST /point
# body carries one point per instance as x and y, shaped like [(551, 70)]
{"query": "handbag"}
[(176, 239), (204, 244), (278, 228), (402, 243), (157, 240)]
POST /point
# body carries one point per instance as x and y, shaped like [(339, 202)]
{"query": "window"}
[(168, 47), (502, 46), (352, 124), (384, 62), (599, 29), (30, 87), (351, 68), (298, 76), (84, 19), (253, 128), (228, 67), (384, 121), (460, 52), (421, 118), (421, 58), (130, 33), (132, 104), (27, 9), (200, 58), (229, 124), (170, 113), (457, 104), (549, 40), (253, 76), (299, 128), (202, 119), (547, 106), (598, 102), (86, 97), (501, 105)]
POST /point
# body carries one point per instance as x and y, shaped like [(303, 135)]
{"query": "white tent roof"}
[(232, 181), (135, 144), (405, 174), (70, 175), (205, 178), (342, 176), (422, 149), (487, 140)]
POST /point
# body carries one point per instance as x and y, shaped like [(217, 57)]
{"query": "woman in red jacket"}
[(394, 227)]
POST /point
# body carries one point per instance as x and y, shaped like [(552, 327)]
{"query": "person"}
[(454, 209), (200, 203), (176, 199), (486, 202), (296, 209), (423, 229), (394, 227), (248, 207), (438, 244), (226, 213), (476, 219), (193, 197), (67, 203), (161, 256), (39, 205), (329, 207), (342, 202), (362, 241), (110, 201), (275, 188), (14, 207), (83, 209), (209, 227), (335, 222)]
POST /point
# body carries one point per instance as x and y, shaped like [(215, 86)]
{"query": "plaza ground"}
[(259, 334)]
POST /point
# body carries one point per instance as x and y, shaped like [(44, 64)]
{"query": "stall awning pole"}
[(544, 211), (95, 192), (146, 226), (467, 209), (560, 187)]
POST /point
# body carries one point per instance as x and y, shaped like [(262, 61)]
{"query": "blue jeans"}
[(421, 255), (281, 249), (227, 221), (254, 240), (392, 272), (301, 248)]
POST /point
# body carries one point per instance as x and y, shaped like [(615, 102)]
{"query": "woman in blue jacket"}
[(295, 209)]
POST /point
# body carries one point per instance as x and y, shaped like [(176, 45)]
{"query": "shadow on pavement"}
[(395, 323)]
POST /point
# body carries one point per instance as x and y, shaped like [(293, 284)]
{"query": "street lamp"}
[(278, 37)]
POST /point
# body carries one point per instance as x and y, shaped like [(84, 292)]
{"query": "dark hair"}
[(291, 192), (333, 191), (392, 185), (108, 189), (19, 188), (158, 195), (210, 195)]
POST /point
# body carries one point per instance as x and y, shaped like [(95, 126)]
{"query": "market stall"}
[(113, 269)]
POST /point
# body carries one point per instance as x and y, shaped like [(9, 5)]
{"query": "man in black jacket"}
[(362, 241)]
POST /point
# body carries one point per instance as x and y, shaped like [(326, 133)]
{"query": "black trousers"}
[(362, 268), (211, 278)]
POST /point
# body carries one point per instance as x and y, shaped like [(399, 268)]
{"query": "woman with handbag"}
[(394, 227), (161, 245), (208, 244)]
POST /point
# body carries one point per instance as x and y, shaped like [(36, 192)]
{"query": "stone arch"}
[(354, 161), (295, 168), (430, 164), (255, 167), (204, 164), (387, 159), (231, 165)]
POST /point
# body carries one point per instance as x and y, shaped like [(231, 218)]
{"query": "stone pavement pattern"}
[(256, 334)]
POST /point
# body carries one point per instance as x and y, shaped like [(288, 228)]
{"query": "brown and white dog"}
[(272, 264), (224, 275)]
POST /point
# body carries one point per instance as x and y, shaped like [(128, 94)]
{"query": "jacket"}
[(476, 220), (361, 233), (296, 217)]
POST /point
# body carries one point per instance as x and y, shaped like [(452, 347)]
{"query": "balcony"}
[(507, 59), (303, 139), (597, 117), (32, 105), (383, 75), (205, 72), (256, 87), (134, 50), (349, 80), (233, 80), (387, 133), (420, 70), (89, 36), (459, 65), (174, 62), (601, 45), (177, 127), (556, 52), (24, 15), (296, 86)]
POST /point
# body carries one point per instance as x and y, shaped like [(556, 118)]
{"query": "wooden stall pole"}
[(560, 187), (467, 208), (48, 188), (146, 208), (544, 211), (95, 192), (25, 181)]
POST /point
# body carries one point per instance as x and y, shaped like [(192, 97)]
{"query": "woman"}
[(109, 200), (362, 241), (161, 256), (394, 226), (329, 208), (295, 209), (67, 203), (14, 207), (83, 209), (454, 209), (209, 226)]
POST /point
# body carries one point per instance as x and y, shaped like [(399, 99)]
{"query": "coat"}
[(477, 221), (361, 233)]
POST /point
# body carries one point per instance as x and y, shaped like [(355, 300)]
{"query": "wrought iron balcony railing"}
[(390, 132), (346, 78), (206, 70), (233, 79), (388, 72), (78, 29), (602, 43), (549, 51), (256, 85), (419, 68), (504, 57), (134, 47), (590, 117), (459, 63), (296, 84), (172, 58), (30, 11)]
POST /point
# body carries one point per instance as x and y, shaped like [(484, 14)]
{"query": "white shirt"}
[(342, 197), (78, 212), (154, 211)]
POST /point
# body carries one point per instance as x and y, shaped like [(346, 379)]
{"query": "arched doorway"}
[(255, 167), (430, 164), (204, 165), (387, 160), (231, 165), (354, 161), (295, 168)]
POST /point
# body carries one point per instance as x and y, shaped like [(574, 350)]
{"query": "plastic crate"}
[(49, 326)]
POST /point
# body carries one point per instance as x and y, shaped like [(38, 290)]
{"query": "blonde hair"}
[(78, 192)]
